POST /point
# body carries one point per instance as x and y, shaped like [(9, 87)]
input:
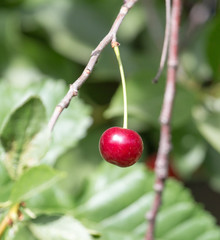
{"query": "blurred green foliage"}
[(45, 45)]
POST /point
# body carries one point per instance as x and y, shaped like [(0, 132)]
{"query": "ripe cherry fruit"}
[(151, 160), (121, 146)]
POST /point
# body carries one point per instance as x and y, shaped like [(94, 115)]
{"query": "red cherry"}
[(121, 146), (151, 165)]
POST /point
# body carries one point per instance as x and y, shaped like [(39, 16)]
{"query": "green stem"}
[(10, 217), (117, 53)]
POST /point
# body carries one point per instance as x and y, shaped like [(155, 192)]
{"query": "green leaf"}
[(72, 124), (172, 216), (211, 167), (76, 118), (213, 48), (34, 181), (118, 234), (189, 149), (5, 184), (211, 235), (4, 177), (84, 157), (59, 228), (21, 233), (100, 205), (9, 37), (61, 32), (18, 133), (207, 119), (133, 24), (118, 200), (70, 28), (46, 60), (51, 201), (10, 97), (191, 229)]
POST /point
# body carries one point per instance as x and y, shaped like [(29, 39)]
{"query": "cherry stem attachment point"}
[(117, 53)]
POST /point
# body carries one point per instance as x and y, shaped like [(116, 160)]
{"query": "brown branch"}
[(110, 37), (165, 43), (165, 119)]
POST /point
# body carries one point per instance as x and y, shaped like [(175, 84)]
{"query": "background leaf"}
[(44, 41), (123, 214), (77, 119), (21, 233), (59, 228), (53, 200), (33, 181), (189, 150), (213, 48), (208, 122), (5, 183), (18, 132), (145, 106)]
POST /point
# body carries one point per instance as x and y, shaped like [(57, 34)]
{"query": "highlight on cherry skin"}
[(121, 146)]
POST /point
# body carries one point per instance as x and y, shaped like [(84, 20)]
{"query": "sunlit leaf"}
[(119, 210), (33, 181), (53, 200), (59, 228), (76, 118), (18, 134), (20, 234)]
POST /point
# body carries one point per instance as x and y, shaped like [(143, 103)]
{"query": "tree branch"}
[(165, 43), (165, 119), (73, 90)]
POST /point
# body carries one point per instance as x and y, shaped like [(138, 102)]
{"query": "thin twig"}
[(165, 118), (73, 90), (166, 41)]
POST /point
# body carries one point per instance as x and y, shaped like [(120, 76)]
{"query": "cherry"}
[(121, 146), (150, 162)]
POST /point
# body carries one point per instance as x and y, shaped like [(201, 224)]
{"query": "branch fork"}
[(171, 42), (110, 37)]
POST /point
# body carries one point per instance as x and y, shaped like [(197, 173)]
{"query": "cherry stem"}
[(117, 53)]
